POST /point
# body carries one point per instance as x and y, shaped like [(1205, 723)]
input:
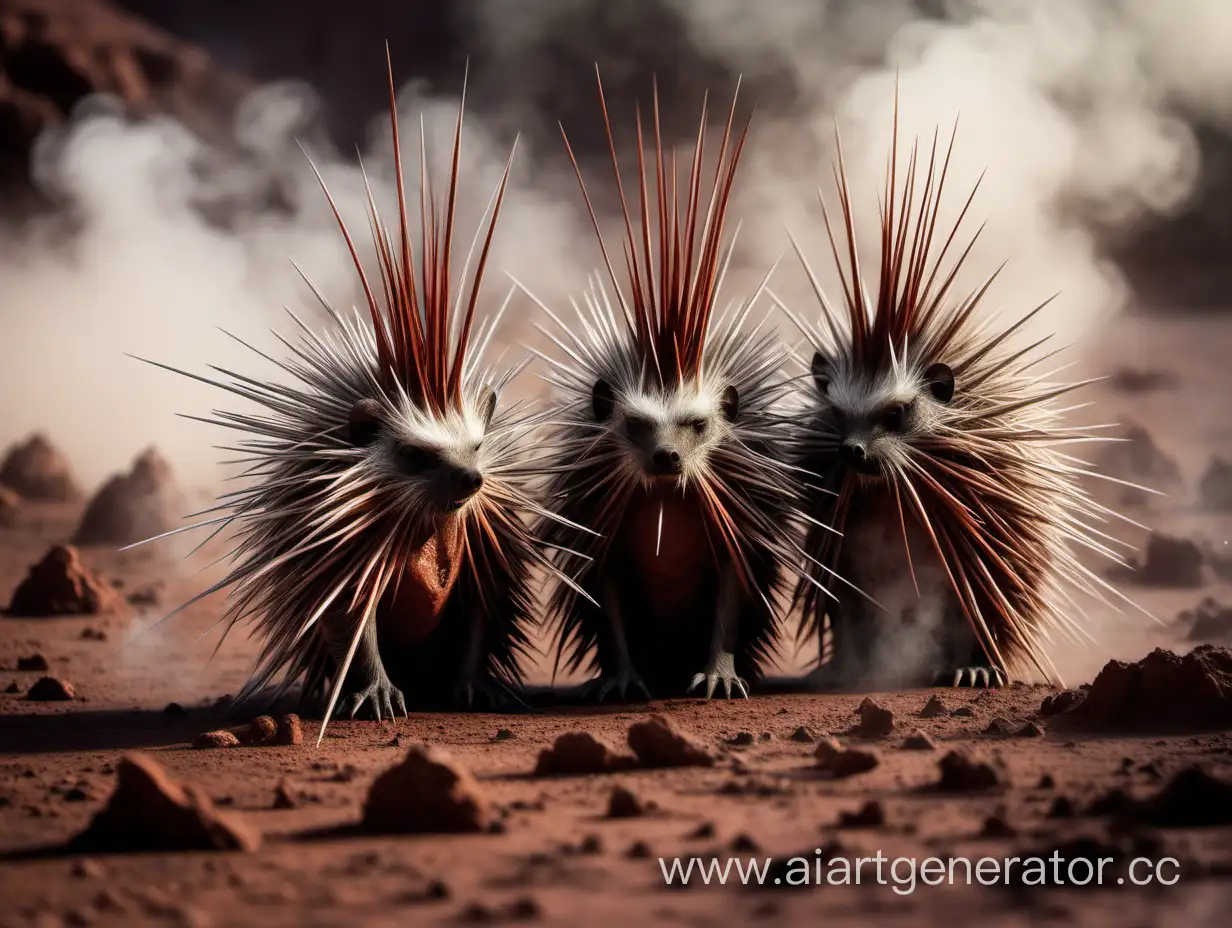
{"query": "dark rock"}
[(658, 743), (870, 815), (919, 740), (1063, 701), (933, 708), (804, 735), (623, 803), (966, 773), (875, 721), (575, 753), (60, 584), (51, 689), (428, 793), (840, 762), (35, 663)]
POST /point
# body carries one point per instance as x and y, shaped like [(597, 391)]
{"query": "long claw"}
[(983, 672), (958, 676), (999, 676), (742, 687), (697, 681), (727, 688), (711, 683)]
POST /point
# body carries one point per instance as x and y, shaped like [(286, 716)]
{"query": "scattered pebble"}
[(741, 739), (261, 730), (12, 688), (283, 797), (1061, 702), (215, 739), (90, 633), (870, 815), (638, 850), (933, 708), (804, 735), (60, 584), (745, 844), (35, 663), (999, 728), (623, 803), (962, 712), (504, 734), (995, 826), (174, 710), (963, 773), (51, 689), (875, 720), (919, 740), (290, 730), (87, 870), (1062, 807), (575, 753), (1030, 730), (658, 743), (1046, 782), (842, 762), (701, 832)]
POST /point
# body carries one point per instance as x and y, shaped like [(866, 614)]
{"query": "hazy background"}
[(1100, 124)]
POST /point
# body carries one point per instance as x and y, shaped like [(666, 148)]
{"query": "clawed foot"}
[(978, 676), (721, 670), (383, 700), (484, 690), (620, 683)]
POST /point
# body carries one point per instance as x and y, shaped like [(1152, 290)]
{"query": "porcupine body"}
[(382, 547), (667, 448), (940, 461)]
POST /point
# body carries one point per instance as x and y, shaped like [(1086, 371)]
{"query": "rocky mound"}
[(35, 469), (60, 584), (54, 53), (428, 793), (10, 508), (1162, 693), (135, 506), (149, 811)]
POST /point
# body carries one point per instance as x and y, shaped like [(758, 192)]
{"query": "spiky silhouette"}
[(938, 450), (666, 444), (382, 541)]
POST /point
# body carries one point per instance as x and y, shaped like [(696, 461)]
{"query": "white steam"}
[(1068, 105)]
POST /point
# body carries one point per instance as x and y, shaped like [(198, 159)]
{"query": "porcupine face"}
[(872, 420), (666, 435), (438, 462)]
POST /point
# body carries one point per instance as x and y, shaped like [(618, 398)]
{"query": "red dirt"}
[(60, 584)]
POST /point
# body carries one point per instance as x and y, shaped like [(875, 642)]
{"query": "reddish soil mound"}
[(135, 506), (10, 507), (1163, 692), (35, 469), (150, 811), (428, 793), (60, 584)]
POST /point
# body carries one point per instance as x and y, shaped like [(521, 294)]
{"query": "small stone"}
[(591, 844), (623, 803), (1061, 702), (1030, 730), (933, 708), (575, 753), (283, 798), (870, 815), (428, 793), (1062, 807), (215, 739), (658, 743), (962, 712), (995, 826), (919, 740), (87, 870), (999, 728), (12, 688), (701, 832), (51, 689), (35, 663), (174, 710), (504, 734), (261, 730), (741, 739), (875, 720), (1047, 782), (524, 908), (638, 850), (90, 633), (962, 773), (290, 730), (744, 843), (842, 762), (804, 735)]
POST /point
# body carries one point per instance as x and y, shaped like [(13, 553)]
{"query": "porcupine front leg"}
[(367, 683), (474, 679), (623, 677), (722, 664)]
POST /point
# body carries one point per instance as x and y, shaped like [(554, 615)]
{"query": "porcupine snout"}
[(464, 482), (666, 462), (854, 452)]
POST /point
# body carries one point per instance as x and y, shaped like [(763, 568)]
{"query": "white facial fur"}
[(437, 460), (667, 435)]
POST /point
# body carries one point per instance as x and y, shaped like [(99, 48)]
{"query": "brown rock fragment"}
[(1061, 702), (658, 743), (934, 708), (919, 740), (624, 803), (840, 762), (875, 721), (428, 793), (261, 730), (149, 811), (804, 735), (215, 739), (51, 689), (290, 730), (35, 663), (966, 773), (575, 753)]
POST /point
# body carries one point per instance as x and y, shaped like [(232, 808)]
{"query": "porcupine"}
[(666, 447), (383, 544), (936, 446)]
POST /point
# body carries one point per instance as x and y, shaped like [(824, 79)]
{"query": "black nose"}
[(854, 452), (466, 482), (666, 461)]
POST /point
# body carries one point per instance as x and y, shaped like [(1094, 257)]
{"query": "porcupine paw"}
[(720, 670), (381, 698), (621, 682), (469, 693), (978, 676)]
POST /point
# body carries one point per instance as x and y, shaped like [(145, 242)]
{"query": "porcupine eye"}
[(940, 380), (414, 459), (892, 419), (697, 425), (637, 427)]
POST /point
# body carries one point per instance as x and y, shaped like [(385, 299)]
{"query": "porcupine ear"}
[(364, 423), (730, 403), (822, 371), (487, 404), (940, 380), (602, 401)]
